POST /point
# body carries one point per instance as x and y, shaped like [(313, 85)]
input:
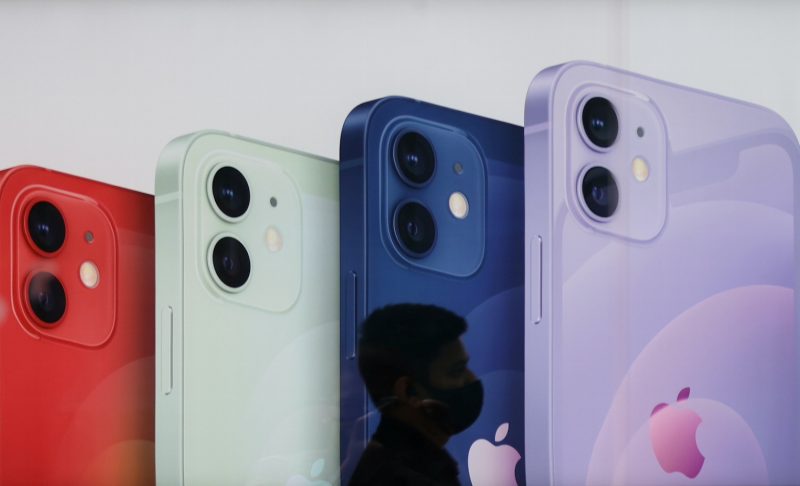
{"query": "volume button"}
[(166, 350), (351, 315)]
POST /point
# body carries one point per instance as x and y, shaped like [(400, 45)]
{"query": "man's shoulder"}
[(381, 466)]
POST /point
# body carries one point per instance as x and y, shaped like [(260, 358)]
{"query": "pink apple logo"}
[(491, 465), (673, 433)]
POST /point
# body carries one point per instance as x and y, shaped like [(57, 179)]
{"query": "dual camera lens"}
[(47, 231), (598, 186), (415, 228), (231, 192), (47, 297), (46, 227), (600, 193), (600, 122), (414, 225), (414, 158), (229, 258), (231, 262)]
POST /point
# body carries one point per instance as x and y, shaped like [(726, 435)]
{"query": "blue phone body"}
[(477, 272)]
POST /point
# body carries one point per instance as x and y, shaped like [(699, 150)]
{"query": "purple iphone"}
[(661, 335)]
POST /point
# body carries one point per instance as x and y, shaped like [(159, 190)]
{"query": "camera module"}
[(47, 298), (600, 193), (46, 227), (600, 123), (414, 158), (231, 262), (415, 229), (231, 192)]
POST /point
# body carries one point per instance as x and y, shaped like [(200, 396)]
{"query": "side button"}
[(536, 280), (351, 315), (166, 350)]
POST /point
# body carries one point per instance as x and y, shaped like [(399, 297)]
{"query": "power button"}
[(535, 290), (166, 350)]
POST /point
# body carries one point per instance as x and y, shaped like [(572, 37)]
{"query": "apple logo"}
[(673, 433), (316, 470), (491, 465), (740, 371), (731, 453)]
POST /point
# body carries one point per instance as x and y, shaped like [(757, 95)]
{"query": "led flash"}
[(273, 240), (641, 171), (90, 275), (459, 206)]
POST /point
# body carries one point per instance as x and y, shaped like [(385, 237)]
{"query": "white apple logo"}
[(491, 465), (316, 470)]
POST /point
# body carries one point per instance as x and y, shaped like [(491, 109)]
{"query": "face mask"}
[(455, 409)]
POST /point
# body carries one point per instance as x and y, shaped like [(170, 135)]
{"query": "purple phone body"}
[(661, 339)]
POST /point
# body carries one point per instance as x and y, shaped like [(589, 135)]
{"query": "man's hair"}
[(403, 340)]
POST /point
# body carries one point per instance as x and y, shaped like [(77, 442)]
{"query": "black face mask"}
[(455, 409)]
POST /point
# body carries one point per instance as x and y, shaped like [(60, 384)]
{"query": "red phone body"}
[(76, 394)]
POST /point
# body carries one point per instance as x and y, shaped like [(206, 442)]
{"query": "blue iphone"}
[(432, 213)]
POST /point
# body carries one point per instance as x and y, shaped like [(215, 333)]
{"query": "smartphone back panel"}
[(247, 382), (76, 331), (474, 268), (661, 340)]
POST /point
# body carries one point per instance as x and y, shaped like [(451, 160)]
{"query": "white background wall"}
[(97, 88)]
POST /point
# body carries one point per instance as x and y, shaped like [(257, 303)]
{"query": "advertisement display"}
[(399, 243)]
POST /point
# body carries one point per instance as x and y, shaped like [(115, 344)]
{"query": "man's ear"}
[(405, 391)]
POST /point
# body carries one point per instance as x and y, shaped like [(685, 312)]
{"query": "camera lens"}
[(231, 192), (47, 297), (600, 191), (600, 122), (46, 226), (231, 262), (415, 228), (414, 158)]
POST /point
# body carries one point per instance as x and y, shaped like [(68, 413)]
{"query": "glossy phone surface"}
[(661, 322), (473, 267), (76, 331), (247, 239)]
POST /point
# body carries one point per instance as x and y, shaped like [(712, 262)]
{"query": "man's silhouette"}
[(415, 369)]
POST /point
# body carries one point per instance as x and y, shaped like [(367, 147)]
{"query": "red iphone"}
[(76, 331)]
